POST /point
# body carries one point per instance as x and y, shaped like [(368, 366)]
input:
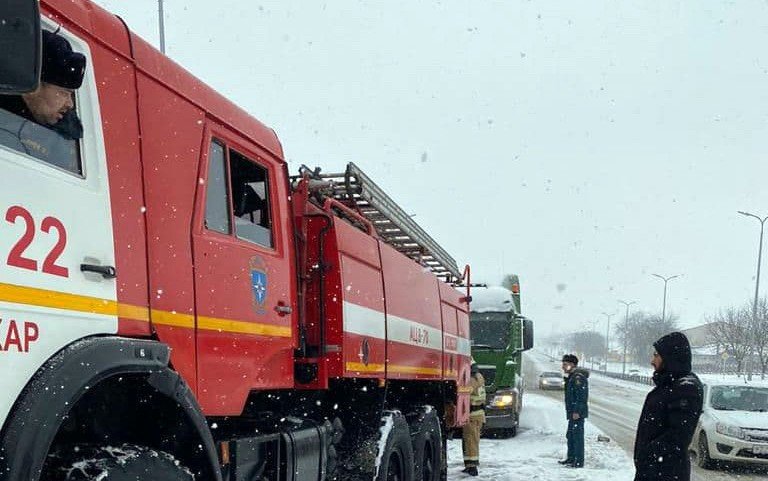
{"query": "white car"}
[(733, 425), (551, 380)]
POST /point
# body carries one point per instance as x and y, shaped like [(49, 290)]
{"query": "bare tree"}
[(732, 329), (758, 333), (641, 330), (510, 281), (626, 330), (590, 343)]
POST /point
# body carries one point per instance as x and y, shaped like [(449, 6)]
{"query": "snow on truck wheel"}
[(123, 463), (395, 458)]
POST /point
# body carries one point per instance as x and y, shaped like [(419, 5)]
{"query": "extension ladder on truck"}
[(357, 191)]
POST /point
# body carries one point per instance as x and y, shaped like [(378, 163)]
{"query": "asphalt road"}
[(615, 407)]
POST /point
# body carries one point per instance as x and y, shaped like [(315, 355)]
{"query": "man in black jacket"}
[(670, 414)]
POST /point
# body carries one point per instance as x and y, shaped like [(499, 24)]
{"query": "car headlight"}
[(728, 430), (503, 400)]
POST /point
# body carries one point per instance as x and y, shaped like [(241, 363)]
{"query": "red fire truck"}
[(174, 306)]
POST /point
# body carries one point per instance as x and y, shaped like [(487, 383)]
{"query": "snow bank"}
[(534, 453), (715, 379)]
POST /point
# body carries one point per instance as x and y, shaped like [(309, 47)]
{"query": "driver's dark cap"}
[(61, 65)]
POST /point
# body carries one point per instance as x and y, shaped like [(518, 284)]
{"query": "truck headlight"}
[(728, 430), (503, 400)]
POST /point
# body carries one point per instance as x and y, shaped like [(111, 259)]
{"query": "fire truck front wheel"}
[(121, 463)]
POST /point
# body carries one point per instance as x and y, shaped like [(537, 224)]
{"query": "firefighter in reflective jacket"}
[(471, 437)]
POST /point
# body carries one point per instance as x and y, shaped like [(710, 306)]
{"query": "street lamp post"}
[(607, 337), (664, 304), (757, 278), (759, 259), (161, 22), (626, 326)]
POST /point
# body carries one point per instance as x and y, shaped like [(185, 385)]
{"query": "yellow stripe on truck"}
[(242, 327), (32, 296), (369, 368), (175, 319), (379, 368)]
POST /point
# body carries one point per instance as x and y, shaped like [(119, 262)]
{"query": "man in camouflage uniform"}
[(471, 432)]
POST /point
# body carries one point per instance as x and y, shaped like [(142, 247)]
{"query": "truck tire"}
[(124, 463), (512, 432), (383, 454), (427, 446), (395, 460)]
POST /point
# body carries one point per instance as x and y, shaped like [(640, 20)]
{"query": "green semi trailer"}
[(500, 335)]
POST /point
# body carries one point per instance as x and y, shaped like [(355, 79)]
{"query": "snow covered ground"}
[(534, 452), (614, 406), (733, 379)]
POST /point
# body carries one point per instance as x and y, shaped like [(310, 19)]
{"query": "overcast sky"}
[(581, 145)]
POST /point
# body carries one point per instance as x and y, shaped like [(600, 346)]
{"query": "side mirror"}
[(20, 46), (527, 334)]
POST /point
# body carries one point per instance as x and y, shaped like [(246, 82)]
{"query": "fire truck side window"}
[(217, 196), (27, 124), (250, 200), (40, 142)]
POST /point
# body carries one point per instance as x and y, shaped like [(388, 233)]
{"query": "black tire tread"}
[(123, 463)]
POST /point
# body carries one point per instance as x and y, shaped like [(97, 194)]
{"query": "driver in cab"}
[(51, 105)]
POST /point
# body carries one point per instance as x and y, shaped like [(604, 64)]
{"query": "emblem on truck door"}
[(259, 283)]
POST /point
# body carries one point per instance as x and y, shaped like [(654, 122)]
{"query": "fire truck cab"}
[(175, 306)]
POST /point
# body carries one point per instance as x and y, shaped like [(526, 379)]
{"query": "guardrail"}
[(646, 380)]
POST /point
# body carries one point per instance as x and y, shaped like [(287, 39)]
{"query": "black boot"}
[(565, 461), (472, 471)]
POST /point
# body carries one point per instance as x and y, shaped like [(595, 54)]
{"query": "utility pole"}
[(664, 304), (626, 326), (607, 339), (757, 279), (161, 21)]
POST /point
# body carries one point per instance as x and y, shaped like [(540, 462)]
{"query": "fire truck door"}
[(243, 277), (57, 276)]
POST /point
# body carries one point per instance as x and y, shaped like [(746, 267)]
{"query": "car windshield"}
[(739, 398), (551, 374), (490, 329)]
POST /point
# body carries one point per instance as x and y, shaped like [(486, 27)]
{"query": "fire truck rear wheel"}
[(427, 446), (396, 456), (123, 463)]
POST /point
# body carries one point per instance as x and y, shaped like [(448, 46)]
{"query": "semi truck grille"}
[(489, 373)]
